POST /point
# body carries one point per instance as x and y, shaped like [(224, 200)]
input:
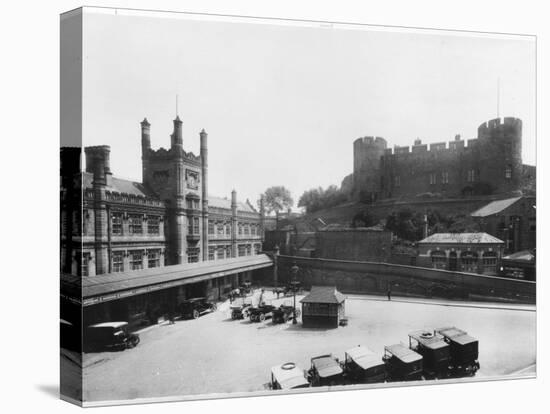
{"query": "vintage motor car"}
[(435, 351), (288, 376), (325, 370), (402, 363), (109, 336), (195, 307), (464, 351), (284, 313), (240, 310), (363, 366), (261, 313)]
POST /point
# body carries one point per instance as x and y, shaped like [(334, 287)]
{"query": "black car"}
[(435, 351), (284, 313), (464, 351), (109, 336), (261, 313), (402, 363), (240, 310), (325, 370), (195, 307)]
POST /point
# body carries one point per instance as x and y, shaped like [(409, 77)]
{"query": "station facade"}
[(119, 230)]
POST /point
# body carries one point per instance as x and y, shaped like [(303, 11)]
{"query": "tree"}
[(277, 198), (363, 219), (318, 198), (311, 199), (406, 224)]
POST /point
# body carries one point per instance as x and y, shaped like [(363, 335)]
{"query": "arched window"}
[(439, 259), (490, 263), (468, 262)]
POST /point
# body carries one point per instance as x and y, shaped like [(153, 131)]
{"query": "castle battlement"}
[(125, 198), (489, 163), (420, 148), (162, 154), (494, 124), (377, 142), (438, 147)]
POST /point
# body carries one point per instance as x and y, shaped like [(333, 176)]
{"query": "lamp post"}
[(294, 271)]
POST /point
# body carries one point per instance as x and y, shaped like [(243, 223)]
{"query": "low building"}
[(464, 252), (323, 307), (512, 220)]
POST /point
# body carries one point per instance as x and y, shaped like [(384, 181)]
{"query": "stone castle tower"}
[(488, 164)]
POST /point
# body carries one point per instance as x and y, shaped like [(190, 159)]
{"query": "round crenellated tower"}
[(500, 161), (367, 152)]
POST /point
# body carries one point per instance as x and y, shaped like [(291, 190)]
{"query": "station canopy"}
[(112, 286)]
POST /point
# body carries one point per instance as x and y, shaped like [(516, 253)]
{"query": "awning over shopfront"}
[(113, 286)]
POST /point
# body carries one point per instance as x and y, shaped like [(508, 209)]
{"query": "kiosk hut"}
[(323, 307)]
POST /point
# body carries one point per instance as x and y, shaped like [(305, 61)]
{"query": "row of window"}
[(223, 251), (471, 177), (136, 259), (223, 228), (137, 224), (468, 261)]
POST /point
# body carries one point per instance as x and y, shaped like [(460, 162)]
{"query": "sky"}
[(283, 102)]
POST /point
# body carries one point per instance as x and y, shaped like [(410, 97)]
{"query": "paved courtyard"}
[(214, 354)]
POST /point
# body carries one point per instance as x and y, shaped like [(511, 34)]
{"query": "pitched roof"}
[(494, 207), (124, 186), (119, 185), (323, 294), (225, 203), (462, 238)]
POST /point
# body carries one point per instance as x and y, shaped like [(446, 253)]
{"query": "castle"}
[(490, 164)]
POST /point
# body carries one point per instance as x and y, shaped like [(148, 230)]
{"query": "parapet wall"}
[(486, 128), (163, 155), (375, 278), (451, 147), (378, 142)]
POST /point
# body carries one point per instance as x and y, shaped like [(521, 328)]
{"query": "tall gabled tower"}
[(178, 178)]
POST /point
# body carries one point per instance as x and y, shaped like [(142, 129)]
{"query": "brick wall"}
[(375, 278), (354, 244)]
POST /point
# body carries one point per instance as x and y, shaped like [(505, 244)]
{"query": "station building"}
[(131, 247), (512, 220), (463, 252)]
